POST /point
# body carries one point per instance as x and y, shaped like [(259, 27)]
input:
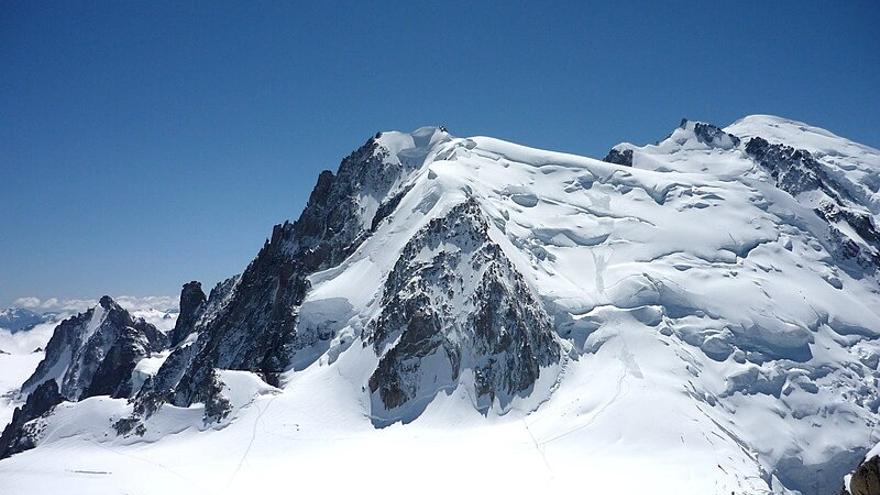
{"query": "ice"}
[(713, 342)]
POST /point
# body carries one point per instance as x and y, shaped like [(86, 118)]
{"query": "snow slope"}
[(23, 350), (714, 341)]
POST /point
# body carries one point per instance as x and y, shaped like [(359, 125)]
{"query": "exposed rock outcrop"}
[(852, 231), (622, 156), (454, 302), (866, 478), (19, 435), (711, 135), (192, 302), (93, 353), (795, 171), (250, 324)]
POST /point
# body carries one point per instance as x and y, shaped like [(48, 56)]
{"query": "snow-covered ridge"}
[(692, 306), (18, 319), (93, 353)]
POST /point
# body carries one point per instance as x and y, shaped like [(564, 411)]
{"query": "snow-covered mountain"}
[(703, 313), (19, 319), (95, 353)]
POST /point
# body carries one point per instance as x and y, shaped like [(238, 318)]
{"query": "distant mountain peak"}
[(95, 352), (108, 303), (20, 319)]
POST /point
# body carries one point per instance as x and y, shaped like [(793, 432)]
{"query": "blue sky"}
[(145, 144)]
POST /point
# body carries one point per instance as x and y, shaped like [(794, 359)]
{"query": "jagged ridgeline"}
[(717, 285), (250, 322), (94, 353)]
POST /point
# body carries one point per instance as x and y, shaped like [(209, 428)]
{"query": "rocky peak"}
[(108, 303), (252, 326), (94, 352), (689, 136), (342, 207), (709, 134), (620, 156), (454, 302), (192, 301)]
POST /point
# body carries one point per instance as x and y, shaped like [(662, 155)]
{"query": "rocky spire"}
[(94, 353), (252, 325), (192, 301)]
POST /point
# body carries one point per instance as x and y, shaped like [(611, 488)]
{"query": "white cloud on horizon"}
[(27, 302), (131, 303)]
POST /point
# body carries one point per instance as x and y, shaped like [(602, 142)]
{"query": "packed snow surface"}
[(713, 343)]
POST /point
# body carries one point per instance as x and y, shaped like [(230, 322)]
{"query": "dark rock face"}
[(620, 157), (335, 221), (797, 171), (386, 208), (217, 406), (866, 479), (94, 352), (711, 135), (113, 376), (250, 322), (192, 301), (158, 389), (19, 436), (465, 307)]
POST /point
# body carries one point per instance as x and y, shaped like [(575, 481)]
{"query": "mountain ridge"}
[(686, 263)]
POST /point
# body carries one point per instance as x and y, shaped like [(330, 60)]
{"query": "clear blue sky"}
[(145, 144)]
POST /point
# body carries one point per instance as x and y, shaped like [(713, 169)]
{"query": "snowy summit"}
[(699, 315)]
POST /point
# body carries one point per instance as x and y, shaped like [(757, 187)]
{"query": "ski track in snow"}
[(618, 393), (253, 437)]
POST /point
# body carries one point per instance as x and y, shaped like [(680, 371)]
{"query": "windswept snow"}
[(712, 341)]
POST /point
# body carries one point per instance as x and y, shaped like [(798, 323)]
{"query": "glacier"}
[(699, 315)]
